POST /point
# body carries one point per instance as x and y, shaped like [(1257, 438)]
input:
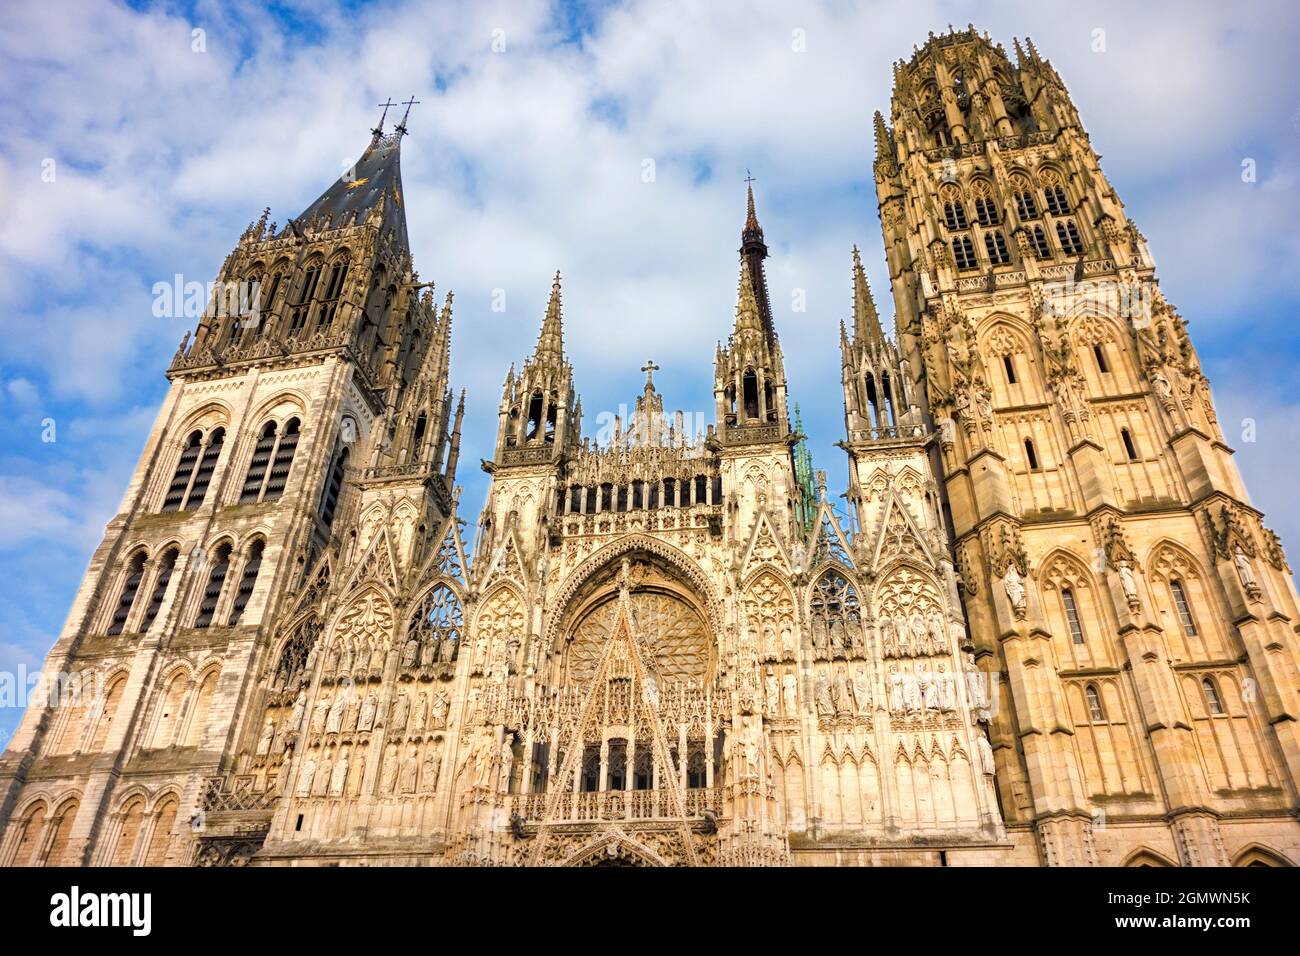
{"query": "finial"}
[(649, 368), (379, 130), (401, 127)]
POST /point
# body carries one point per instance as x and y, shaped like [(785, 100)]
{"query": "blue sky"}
[(529, 158)]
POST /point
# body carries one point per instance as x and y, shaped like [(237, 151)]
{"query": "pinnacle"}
[(866, 321), (747, 316), (550, 342)]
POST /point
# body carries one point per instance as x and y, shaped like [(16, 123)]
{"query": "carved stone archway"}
[(614, 848)]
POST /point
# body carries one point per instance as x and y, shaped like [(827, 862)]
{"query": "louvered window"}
[(212, 591), (125, 600), (247, 581)]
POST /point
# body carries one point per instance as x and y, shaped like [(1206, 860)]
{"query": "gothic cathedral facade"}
[(1046, 628)]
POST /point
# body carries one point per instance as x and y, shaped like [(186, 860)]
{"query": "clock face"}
[(673, 636)]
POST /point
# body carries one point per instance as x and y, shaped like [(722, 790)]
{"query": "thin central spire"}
[(753, 250), (550, 342)]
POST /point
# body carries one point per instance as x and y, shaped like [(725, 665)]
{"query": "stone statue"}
[(334, 723), (1244, 569), (388, 779), (438, 713), (897, 700), (920, 635), (862, 690), (401, 707), (1128, 582), (787, 641), (318, 715), (350, 715), (947, 693), (420, 713), (432, 766), (988, 766), (429, 652), (937, 642), (928, 684), (844, 704), (321, 780), (264, 742), (507, 760), (305, 776), (888, 637), (410, 653), (410, 767), (975, 689), (772, 693), (299, 711), (366, 720), (1161, 383), (339, 776), (1015, 588), (825, 705), (790, 695)]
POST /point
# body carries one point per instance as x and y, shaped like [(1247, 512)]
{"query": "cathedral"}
[(1047, 628)]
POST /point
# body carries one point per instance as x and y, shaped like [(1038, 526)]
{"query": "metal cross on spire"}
[(378, 130), (749, 177), (401, 127)]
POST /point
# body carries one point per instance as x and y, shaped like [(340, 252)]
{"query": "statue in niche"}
[(429, 652), (1015, 588), (897, 698), (920, 640), (772, 693), (1128, 582), (334, 721), (862, 690), (268, 735), (432, 766), (888, 637), (369, 710), (388, 779), (947, 693), (410, 653), (819, 634), (332, 660), (844, 703), (482, 759), (299, 711), (790, 695), (305, 776), (507, 761), (988, 766), (1245, 570), (351, 714), (837, 634), (420, 713), (357, 775), (975, 688), (928, 687), (787, 640), (345, 659), (438, 711), (377, 659), (937, 641), (318, 716), (825, 705), (913, 699), (447, 649), (410, 767), (770, 650), (339, 776), (401, 707), (320, 782), (1161, 383)]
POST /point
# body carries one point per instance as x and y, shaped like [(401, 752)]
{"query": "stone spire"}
[(550, 341), (748, 315), (866, 321)]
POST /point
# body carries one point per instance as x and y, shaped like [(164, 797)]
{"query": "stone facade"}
[(1048, 628)]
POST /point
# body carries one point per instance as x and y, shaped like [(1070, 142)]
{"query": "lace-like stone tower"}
[(1114, 573)]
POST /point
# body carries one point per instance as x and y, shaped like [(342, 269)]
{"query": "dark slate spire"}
[(374, 183), (754, 250)]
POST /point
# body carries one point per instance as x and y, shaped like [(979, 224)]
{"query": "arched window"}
[(161, 838), (212, 592), (333, 288), (333, 487), (30, 830), (252, 564), (132, 820), (194, 469), (1099, 354), (954, 214), (61, 836), (1031, 456), (1213, 703), (996, 245), (1009, 366), (1038, 239), (1026, 205), (107, 712), (1072, 615), (1095, 712), (1129, 448), (130, 587), (299, 311), (160, 582), (986, 210), (1057, 203), (266, 303), (534, 416), (750, 387), (421, 426), (963, 251), (1068, 233), (1182, 607), (834, 609), (268, 469), (437, 623)]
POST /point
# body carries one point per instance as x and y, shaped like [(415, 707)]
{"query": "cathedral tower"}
[(1114, 573)]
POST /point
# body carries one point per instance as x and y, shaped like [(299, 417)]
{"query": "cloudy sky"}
[(526, 155)]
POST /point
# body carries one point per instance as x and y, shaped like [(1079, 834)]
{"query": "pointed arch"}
[(1145, 856), (1257, 854)]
